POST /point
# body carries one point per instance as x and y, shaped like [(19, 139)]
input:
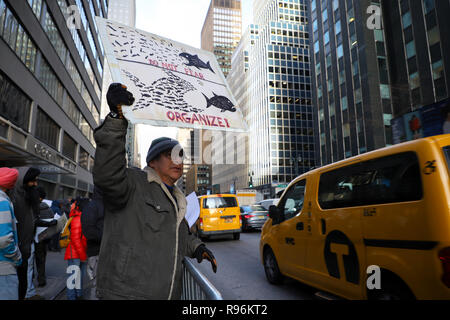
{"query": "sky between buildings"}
[(182, 21)]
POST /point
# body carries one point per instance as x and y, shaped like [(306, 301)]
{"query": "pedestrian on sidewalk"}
[(53, 244), (145, 235), (43, 221), (76, 250), (92, 225), (10, 256), (25, 199)]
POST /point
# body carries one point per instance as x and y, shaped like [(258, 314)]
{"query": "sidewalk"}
[(56, 276)]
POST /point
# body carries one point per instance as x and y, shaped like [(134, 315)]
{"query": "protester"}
[(145, 235), (76, 250), (10, 256), (53, 244), (92, 225), (26, 206), (43, 221)]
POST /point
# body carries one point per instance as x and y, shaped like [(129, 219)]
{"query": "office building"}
[(198, 179), (230, 166), (280, 114), (220, 34), (50, 79), (222, 31), (366, 71)]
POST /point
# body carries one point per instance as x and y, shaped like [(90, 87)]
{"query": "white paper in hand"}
[(193, 209)]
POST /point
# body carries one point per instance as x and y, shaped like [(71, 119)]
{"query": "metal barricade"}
[(196, 286)]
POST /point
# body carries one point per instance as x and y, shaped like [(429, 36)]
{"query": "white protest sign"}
[(174, 84)]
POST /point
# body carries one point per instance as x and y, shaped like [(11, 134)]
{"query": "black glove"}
[(118, 95), (203, 253)]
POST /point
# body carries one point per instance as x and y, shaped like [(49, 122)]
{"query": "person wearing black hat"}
[(25, 199), (145, 234)]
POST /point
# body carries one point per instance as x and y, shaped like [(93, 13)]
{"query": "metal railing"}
[(196, 286)]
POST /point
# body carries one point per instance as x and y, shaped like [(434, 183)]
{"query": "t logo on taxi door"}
[(340, 253)]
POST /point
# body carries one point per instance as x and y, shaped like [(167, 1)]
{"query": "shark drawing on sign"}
[(220, 102), (195, 61)]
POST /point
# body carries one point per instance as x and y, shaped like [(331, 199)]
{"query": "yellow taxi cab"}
[(374, 226), (219, 214)]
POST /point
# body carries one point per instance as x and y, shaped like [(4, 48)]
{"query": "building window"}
[(83, 158), (406, 19), (14, 105), (428, 5), (438, 70), (47, 130), (344, 103), (337, 27), (340, 51), (69, 147), (433, 36), (414, 81), (410, 49), (385, 91)]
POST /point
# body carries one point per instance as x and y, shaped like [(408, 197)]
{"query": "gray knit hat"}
[(160, 145)]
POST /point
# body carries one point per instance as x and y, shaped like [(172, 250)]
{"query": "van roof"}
[(220, 195)]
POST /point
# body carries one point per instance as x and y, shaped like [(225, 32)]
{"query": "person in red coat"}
[(76, 252)]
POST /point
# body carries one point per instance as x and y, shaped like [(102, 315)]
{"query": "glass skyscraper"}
[(222, 31), (370, 67), (280, 114)]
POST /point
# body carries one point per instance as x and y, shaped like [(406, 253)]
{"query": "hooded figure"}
[(25, 199)]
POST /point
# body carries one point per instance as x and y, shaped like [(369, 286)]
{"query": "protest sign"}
[(174, 84)]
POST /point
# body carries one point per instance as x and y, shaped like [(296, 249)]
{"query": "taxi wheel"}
[(391, 289), (236, 236), (271, 269)]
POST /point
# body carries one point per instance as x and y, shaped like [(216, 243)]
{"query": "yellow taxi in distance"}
[(374, 226), (219, 214)]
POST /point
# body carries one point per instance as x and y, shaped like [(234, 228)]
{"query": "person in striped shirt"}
[(10, 256)]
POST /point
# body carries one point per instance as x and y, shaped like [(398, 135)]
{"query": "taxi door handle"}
[(299, 226), (324, 226)]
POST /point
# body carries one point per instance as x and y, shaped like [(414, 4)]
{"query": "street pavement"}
[(56, 276), (240, 273)]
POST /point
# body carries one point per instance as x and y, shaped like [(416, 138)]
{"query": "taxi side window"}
[(394, 178), (292, 202)]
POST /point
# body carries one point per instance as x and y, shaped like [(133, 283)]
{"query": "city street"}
[(240, 274)]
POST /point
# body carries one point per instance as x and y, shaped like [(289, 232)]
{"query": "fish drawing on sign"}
[(195, 61), (220, 102), (167, 92)]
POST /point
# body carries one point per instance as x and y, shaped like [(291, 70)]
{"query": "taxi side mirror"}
[(274, 214)]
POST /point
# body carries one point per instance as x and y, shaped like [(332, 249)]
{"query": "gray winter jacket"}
[(145, 235)]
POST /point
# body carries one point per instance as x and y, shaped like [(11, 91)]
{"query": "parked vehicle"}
[(219, 214), (253, 217), (267, 203), (380, 217)]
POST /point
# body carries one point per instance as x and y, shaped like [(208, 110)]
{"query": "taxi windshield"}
[(219, 202)]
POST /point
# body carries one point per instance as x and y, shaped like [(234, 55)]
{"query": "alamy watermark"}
[(374, 21), (74, 279), (73, 19)]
